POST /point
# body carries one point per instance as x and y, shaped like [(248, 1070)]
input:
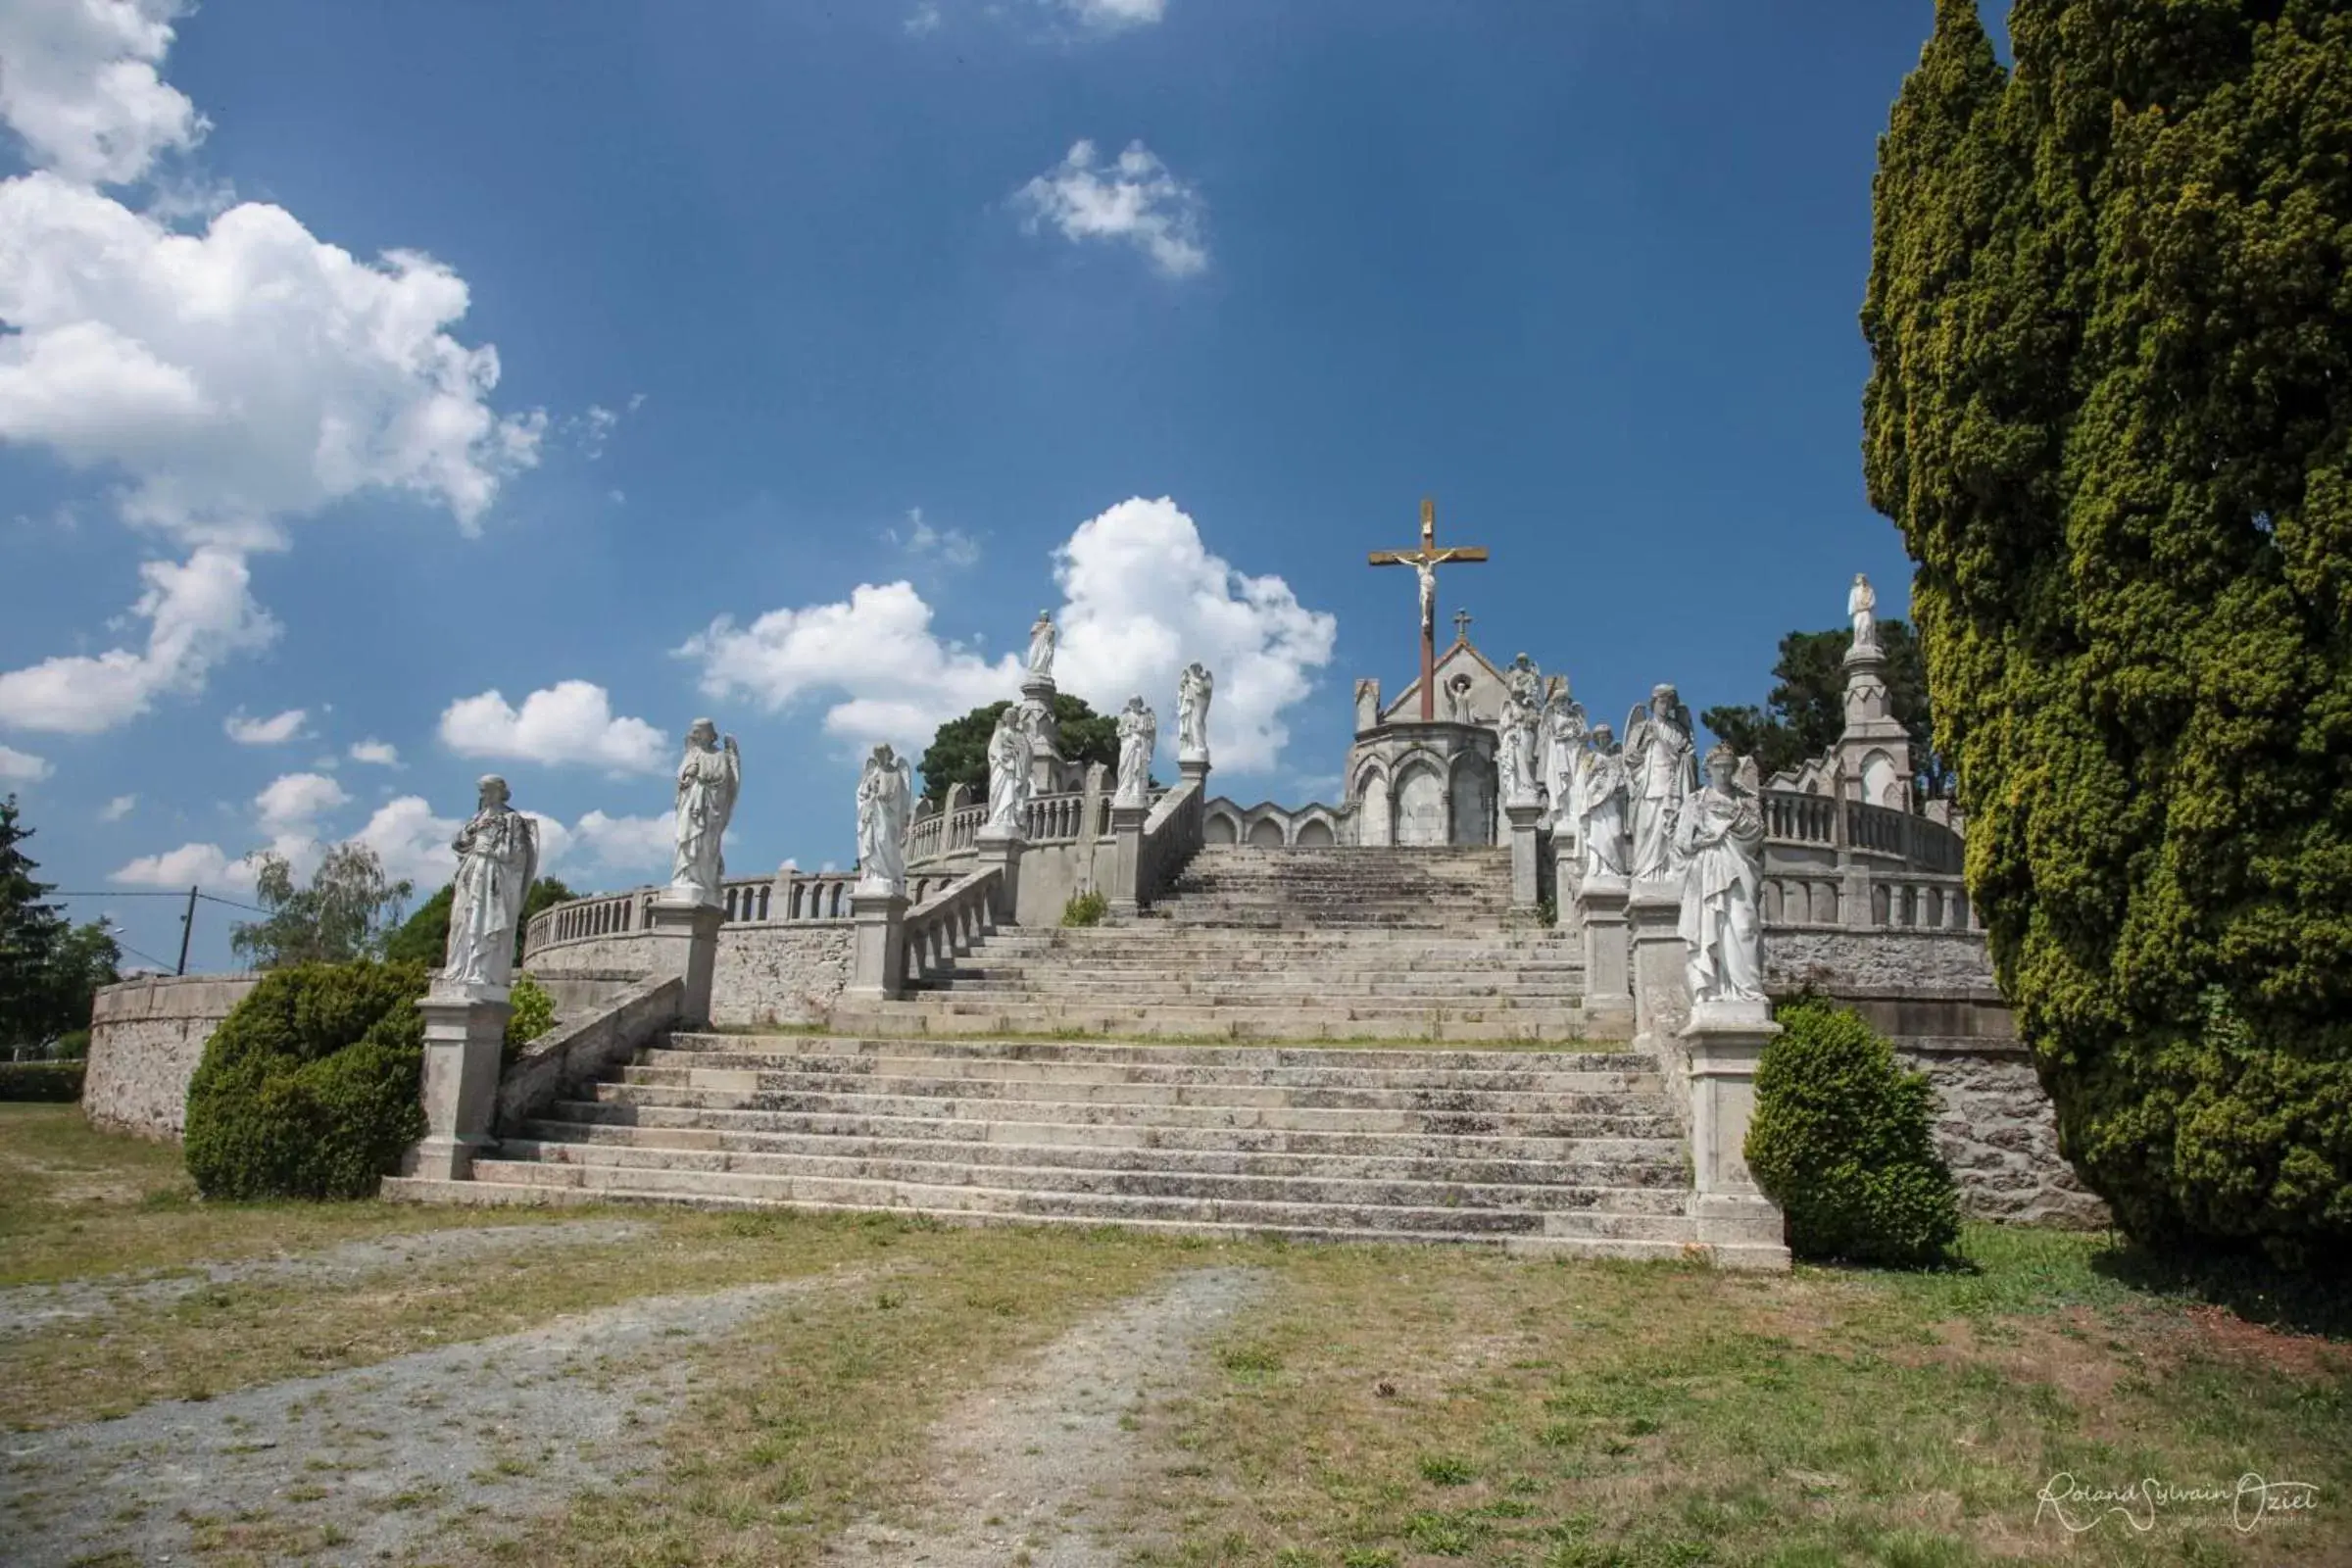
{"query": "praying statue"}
[(1660, 774), (1139, 734), (1563, 748), (498, 855), (1008, 775), (1862, 604), (1721, 842), (710, 777), (885, 795), (1042, 637), (1194, 688), (1601, 785)]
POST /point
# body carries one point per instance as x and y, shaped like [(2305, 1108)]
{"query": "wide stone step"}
[(1212, 993), (770, 1080), (875, 1067), (1341, 970), (1167, 945), (1133, 1181), (1544, 1028), (1567, 1057), (1025, 1123), (1597, 1162)]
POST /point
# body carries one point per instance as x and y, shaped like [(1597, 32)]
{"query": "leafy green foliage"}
[(424, 936), (1805, 713), (309, 1086), (49, 967), (959, 748), (532, 1013), (58, 1081), (344, 914), (1841, 1138), (1085, 909), (2111, 411)]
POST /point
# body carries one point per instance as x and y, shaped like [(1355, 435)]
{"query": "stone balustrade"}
[(1859, 899), (1063, 818), (945, 925), (788, 898), (1797, 821)]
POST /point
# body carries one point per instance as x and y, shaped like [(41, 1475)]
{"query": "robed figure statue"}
[(1042, 637), (885, 795), (710, 777), (1515, 734), (1194, 688), (1600, 799), (1862, 606), (498, 855), (1661, 772), (1720, 840), (1009, 774), (1139, 735), (1564, 732)]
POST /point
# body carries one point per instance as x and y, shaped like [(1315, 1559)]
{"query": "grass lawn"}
[(1371, 1406)]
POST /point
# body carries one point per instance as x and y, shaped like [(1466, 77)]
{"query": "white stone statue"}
[(1600, 788), (1194, 688), (1427, 571), (1721, 839), (885, 795), (1862, 604), (710, 777), (1515, 758), (1139, 734), (1564, 732), (1008, 775), (498, 855), (1041, 638), (1661, 773), (1526, 682)]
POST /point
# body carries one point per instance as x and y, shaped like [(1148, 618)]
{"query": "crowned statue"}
[(1139, 735), (1008, 775), (1661, 772), (710, 777), (885, 797), (498, 855), (1720, 842)]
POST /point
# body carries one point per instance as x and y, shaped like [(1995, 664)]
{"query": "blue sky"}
[(443, 373)]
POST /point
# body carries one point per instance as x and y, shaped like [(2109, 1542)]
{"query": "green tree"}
[(49, 967), (345, 913), (958, 750), (2111, 411), (424, 936), (1805, 713)]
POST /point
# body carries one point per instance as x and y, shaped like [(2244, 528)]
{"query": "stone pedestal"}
[(464, 1035), (1608, 982), (1660, 963), (1567, 876), (1193, 770), (1526, 890), (685, 943), (1743, 1228), (1003, 850), (878, 957), (1046, 765), (1127, 855)]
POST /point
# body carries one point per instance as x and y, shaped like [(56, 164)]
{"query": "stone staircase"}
[(1552, 1145)]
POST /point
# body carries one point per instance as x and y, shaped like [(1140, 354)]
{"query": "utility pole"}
[(187, 929)]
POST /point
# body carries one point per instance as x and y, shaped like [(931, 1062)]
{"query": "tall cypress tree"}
[(2111, 411)]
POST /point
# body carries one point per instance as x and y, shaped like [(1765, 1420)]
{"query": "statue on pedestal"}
[(1862, 604), (1600, 788), (1194, 688), (1661, 774), (1564, 732), (498, 855), (885, 793), (1009, 774), (1515, 749), (1041, 638), (710, 777), (1139, 735), (1720, 837)]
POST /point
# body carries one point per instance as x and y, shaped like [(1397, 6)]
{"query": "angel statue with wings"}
[(885, 794), (1720, 840), (1661, 773), (498, 855)]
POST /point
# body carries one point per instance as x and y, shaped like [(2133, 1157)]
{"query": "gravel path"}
[(1042, 1462), (27, 1307), (386, 1457)]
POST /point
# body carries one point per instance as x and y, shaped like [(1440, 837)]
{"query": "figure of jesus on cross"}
[(1425, 562)]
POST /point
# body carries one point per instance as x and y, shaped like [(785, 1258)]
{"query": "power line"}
[(132, 893)]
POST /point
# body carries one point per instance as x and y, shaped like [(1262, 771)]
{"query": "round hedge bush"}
[(309, 1088), (1840, 1140)]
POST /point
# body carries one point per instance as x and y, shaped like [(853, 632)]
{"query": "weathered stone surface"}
[(1875, 961), (788, 972), (566, 1061), (1998, 1132), (146, 1037)]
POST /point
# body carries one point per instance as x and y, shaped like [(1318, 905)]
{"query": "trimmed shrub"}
[(309, 1088), (533, 1015), (1840, 1141), (40, 1080), (1085, 909)]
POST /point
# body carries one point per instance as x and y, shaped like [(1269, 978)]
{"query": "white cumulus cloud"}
[(293, 803), (189, 866), (1116, 15), (570, 722), (627, 842), (22, 768), (1132, 199), (197, 614), (380, 753), (79, 84), (272, 731)]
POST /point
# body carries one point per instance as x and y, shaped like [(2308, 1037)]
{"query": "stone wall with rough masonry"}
[(146, 1037), (783, 973)]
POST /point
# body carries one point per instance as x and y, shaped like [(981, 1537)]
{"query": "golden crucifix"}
[(1426, 561)]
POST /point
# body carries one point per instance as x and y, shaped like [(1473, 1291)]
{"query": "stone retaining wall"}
[(784, 973), (563, 1062), (146, 1039)]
